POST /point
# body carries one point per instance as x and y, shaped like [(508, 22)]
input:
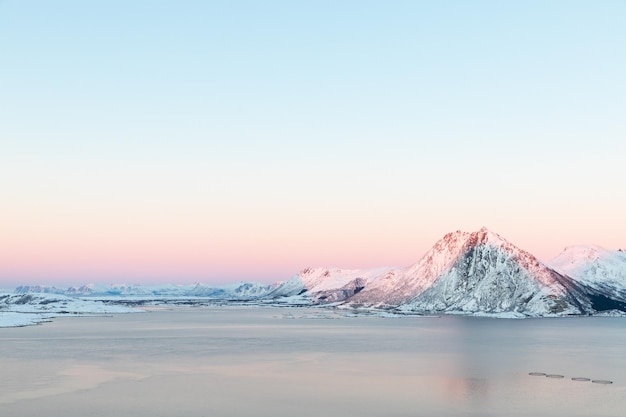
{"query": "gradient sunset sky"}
[(183, 141)]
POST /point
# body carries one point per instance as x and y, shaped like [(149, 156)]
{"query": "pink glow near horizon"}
[(150, 238), (265, 255), (249, 145)]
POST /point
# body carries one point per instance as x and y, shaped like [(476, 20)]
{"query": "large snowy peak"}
[(479, 272), (397, 286), (440, 257), (482, 272), (596, 267)]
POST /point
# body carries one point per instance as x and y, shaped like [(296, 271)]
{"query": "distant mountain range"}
[(243, 290), (477, 273)]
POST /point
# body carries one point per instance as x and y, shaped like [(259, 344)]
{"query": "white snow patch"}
[(26, 309), (593, 265)]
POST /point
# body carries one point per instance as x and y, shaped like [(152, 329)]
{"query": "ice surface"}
[(234, 361)]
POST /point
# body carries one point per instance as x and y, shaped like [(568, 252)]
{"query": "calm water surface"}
[(302, 362)]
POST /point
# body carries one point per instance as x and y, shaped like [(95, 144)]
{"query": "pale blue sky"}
[(382, 122)]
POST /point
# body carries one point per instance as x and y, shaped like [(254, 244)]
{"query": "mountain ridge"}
[(476, 272)]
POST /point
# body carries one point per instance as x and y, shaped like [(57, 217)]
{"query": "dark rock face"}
[(601, 302)]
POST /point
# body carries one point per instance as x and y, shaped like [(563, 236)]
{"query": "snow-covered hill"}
[(24, 309), (30, 304), (596, 267), (328, 285)]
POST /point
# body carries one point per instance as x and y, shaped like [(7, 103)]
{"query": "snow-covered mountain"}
[(242, 290), (401, 285), (471, 273), (596, 267), (463, 273), (484, 273)]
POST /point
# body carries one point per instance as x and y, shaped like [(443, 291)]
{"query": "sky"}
[(220, 141)]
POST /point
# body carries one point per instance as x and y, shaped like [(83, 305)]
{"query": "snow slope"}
[(467, 273), (327, 285), (12, 319), (24, 309), (487, 274), (599, 268), (400, 285)]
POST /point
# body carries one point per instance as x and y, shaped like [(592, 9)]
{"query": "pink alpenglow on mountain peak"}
[(479, 271)]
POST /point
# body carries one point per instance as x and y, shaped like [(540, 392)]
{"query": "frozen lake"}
[(235, 361)]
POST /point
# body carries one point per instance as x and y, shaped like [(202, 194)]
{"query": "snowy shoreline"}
[(18, 310), (34, 309)]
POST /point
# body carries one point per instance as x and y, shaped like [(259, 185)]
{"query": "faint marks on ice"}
[(601, 381), (576, 378)]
